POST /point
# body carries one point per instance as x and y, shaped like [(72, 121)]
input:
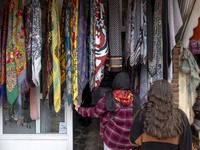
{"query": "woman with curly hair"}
[(160, 124)]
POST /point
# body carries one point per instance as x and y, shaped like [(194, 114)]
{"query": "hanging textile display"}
[(128, 31), (55, 48), (100, 42), (62, 55), (33, 104), (114, 28), (11, 71), (91, 48), (68, 54), (36, 42), (74, 58), (28, 40), (3, 56), (82, 51), (154, 66), (144, 52)]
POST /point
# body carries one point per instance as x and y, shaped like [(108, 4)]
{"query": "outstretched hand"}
[(76, 107)]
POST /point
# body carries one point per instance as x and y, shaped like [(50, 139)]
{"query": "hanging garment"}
[(190, 67), (62, 54), (11, 71), (28, 10), (19, 47), (114, 28), (36, 42), (154, 66), (55, 48), (33, 104), (91, 48), (82, 51), (175, 23), (138, 34), (128, 31), (74, 54), (144, 54), (3, 56), (50, 56), (150, 4), (100, 42), (166, 42), (68, 55)]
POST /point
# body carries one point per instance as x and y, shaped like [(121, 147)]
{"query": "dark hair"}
[(162, 118)]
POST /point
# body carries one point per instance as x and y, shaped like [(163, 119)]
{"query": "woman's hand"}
[(76, 107)]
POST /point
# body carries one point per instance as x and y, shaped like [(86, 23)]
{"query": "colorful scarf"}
[(19, 46), (3, 56), (91, 48), (50, 57), (68, 56), (28, 40), (62, 54), (82, 51), (124, 97), (74, 54), (11, 71), (100, 42), (36, 42), (55, 48), (115, 49)]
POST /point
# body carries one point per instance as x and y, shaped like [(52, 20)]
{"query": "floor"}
[(86, 138)]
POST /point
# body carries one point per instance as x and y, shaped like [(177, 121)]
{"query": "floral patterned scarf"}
[(124, 97), (3, 56)]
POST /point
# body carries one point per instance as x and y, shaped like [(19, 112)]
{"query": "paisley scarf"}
[(19, 46), (100, 42), (3, 56), (91, 48), (68, 56), (28, 40), (11, 71), (36, 42), (124, 97), (74, 54), (153, 65), (62, 53), (82, 51), (55, 48)]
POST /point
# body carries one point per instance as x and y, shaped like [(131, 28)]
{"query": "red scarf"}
[(124, 97)]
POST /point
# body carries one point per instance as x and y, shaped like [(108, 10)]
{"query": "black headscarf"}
[(120, 82)]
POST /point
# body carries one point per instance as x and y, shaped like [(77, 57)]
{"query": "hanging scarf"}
[(91, 48), (144, 54), (55, 48), (33, 104), (74, 54), (62, 54), (11, 71), (132, 41), (128, 31), (124, 97), (36, 42), (82, 51), (68, 56), (154, 67), (115, 49), (50, 56), (19, 46), (3, 56), (100, 42)]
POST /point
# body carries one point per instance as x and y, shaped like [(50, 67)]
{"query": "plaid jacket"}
[(115, 133)]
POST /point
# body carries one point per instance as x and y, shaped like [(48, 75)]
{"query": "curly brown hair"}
[(162, 118)]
